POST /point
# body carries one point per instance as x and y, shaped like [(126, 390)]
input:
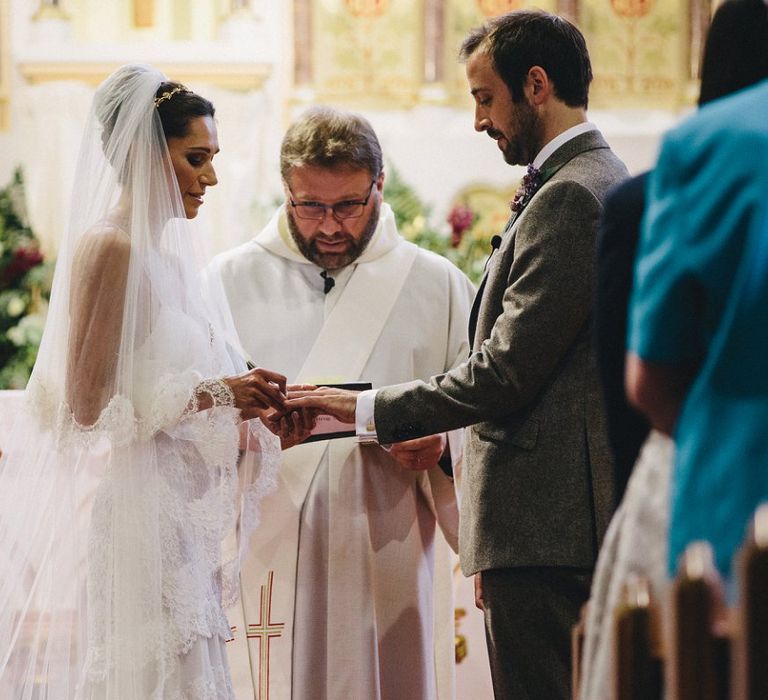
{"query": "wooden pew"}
[(697, 667), (637, 667), (750, 642)]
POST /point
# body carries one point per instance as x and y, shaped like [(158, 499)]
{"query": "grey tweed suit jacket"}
[(537, 476)]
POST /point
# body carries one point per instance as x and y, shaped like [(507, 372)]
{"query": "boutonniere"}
[(530, 183)]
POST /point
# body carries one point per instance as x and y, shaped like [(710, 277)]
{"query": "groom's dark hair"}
[(519, 40)]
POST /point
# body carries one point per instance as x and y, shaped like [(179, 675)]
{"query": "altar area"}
[(262, 62)]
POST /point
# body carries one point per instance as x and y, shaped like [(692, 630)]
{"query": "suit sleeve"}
[(544, 310)]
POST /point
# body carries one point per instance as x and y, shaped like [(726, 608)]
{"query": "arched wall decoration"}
[(367, 51), (643, 51), (391, 53)]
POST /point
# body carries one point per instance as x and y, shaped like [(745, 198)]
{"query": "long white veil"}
[(119, 502)]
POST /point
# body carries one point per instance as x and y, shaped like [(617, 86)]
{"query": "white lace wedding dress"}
[(121, 531), (166, 488)]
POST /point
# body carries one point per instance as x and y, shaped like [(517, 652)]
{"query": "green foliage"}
[(411, 214), (25, 284), (464, 239)]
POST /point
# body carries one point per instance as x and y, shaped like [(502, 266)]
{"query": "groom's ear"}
[(537, 87)]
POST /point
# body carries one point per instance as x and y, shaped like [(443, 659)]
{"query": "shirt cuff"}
[(365, 428)]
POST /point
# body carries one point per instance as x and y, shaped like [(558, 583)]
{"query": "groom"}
[(537, 492)]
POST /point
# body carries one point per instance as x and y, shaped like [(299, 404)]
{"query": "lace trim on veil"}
[(223, 500)]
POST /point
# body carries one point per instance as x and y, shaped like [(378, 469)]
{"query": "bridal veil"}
[(121, 505)]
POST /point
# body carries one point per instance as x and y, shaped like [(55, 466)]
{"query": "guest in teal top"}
[(698, 331)]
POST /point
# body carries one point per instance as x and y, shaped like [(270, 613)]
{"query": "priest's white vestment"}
[(346, 589)]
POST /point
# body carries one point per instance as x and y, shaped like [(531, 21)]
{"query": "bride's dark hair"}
[(176, 107), (182, 107)]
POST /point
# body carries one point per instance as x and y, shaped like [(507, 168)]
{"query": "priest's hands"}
[(421, 453), (339, 403), (295, 426)]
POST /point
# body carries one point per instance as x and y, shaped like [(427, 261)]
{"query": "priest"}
[(346, 589)]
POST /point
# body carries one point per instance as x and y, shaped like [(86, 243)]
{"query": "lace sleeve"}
[(210, 393), (97, 301)]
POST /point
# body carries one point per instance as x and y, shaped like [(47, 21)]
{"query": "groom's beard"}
[(334, 261)]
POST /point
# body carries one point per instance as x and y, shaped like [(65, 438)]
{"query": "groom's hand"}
[(339, 403)]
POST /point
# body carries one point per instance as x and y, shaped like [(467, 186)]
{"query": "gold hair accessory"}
[(168, 94)]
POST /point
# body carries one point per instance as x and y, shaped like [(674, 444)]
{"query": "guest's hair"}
[(180, 109), (736, 50), (329, 138), (519, 40)]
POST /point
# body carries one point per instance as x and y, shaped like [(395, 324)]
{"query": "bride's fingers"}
[(268, 392), (273, 377)]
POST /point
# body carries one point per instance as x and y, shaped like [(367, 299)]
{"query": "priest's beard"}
[(334, 261)]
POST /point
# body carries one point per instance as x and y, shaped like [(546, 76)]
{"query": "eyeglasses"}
[(315, 211)]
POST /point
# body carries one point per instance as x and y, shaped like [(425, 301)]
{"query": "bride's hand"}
[(259, 393)]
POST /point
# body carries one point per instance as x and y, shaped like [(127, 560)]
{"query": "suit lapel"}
[(587, 141), (476, 310), (473, 314)]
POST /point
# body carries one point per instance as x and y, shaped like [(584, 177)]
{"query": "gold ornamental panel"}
[(368, 51), (639, 51)]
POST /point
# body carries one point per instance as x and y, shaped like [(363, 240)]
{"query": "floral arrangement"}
[(25, 285), (474, 219), (530, 183)]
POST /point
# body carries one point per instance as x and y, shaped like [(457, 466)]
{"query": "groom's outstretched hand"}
[(339, 403)]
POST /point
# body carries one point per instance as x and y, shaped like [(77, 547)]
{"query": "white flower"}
[(15, 306), (16, 335), (29, 331)]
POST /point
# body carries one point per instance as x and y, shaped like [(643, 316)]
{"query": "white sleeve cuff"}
[(365, 428)]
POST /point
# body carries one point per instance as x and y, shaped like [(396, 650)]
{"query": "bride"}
[(120, 492)]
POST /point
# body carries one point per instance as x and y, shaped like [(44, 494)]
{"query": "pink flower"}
[(461, 219), (24, 259)]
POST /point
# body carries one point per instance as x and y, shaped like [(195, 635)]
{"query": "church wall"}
[(56, 62), (422, 112)]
